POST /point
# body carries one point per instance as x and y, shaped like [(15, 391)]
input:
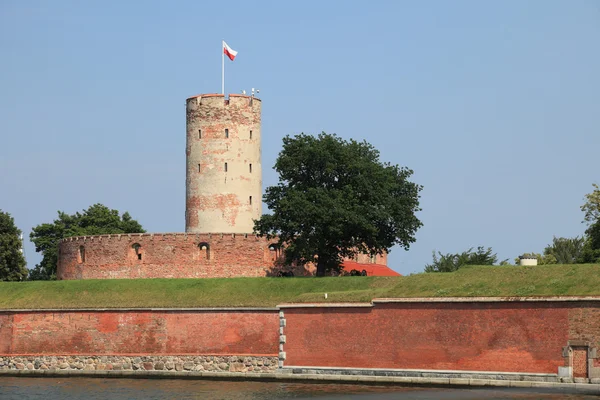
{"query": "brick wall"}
[(174, 255), (526, 336), (139, 333), (479, 336), (177, 255)]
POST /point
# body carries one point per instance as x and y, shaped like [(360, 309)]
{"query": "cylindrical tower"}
[(223, 168)]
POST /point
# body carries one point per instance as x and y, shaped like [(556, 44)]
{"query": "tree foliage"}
[(96, 220), (565, 250), (12, 261), (335, 198), (591, 207), (452, 262)]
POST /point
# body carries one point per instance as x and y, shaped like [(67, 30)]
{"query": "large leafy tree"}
[(12, 261), (96, 220), (335, 198)]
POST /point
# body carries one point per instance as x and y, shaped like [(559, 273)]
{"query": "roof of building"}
[(372, 269)]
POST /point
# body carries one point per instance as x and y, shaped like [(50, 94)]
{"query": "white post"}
[(223, 67)]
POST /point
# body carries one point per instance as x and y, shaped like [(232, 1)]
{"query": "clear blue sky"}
[(494, 105)]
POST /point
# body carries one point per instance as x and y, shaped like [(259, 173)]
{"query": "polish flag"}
[(229, 52)]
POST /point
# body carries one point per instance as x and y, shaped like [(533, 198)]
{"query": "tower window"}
[(250, 200), (250, 167), (226, 133), (199, 133), (225, 167), (250, 134), (199, 168)]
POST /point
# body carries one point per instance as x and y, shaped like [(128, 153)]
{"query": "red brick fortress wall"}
[(136, 332), (507, 336), (162, 255)]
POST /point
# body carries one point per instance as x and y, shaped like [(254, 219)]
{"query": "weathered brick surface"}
[(510, 337), (177, 255), (139, 333), (174, 255), (223, 163)]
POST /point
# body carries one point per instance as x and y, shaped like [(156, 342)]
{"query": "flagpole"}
[(222, 67)]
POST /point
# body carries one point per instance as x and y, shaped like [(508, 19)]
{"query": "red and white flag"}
[(229, 52)]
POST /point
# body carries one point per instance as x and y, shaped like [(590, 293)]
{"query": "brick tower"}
[(223, 168)]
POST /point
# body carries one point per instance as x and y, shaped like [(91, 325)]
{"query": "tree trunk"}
[(321, 266)]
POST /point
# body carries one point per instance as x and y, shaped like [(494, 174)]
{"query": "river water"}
[(17, 388)]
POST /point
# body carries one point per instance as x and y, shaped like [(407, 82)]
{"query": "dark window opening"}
[(199, 133), (199, 168), (250, 168), (250, 134), (250, 200), (81, 254), (137, 248), (204, 250), (225, 167), (226, 133)]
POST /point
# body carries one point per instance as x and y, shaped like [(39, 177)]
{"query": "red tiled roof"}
[(372, 269)]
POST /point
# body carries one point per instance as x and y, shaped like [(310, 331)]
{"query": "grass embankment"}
[(554, 280)]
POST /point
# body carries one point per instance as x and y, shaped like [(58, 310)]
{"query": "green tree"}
[(565, 250), (452, 262), (12, 261), (334, 199), (96, 220), (591, 207)]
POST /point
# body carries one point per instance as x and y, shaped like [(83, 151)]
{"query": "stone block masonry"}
[(140, 363)]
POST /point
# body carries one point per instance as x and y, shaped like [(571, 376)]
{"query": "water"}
[(15, 388)]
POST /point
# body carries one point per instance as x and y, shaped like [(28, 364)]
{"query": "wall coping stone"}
[(444, 300), (323, 305), (204, 309), (485, 299)]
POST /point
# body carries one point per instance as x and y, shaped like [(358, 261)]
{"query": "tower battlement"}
[(217, 100)]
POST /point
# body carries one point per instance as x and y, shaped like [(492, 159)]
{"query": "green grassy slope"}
[(553, 280)]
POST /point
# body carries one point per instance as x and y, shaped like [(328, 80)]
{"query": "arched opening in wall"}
[(250, 134), (137, 248), (274, 251), (226, 133), (81, 255), (204, 249), (374, 259)]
